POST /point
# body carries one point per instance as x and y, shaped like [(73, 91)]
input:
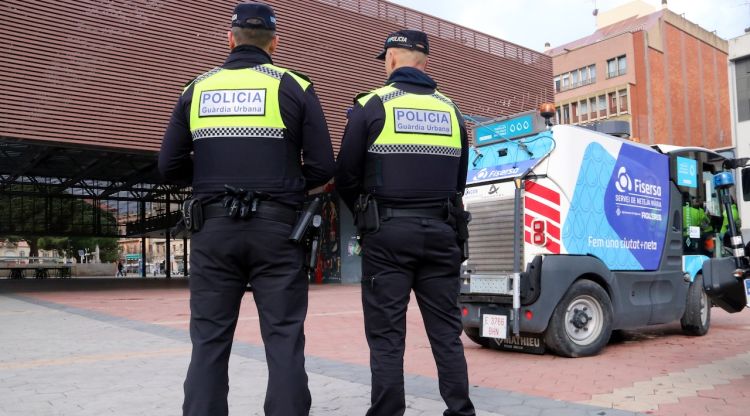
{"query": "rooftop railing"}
[(407, 18)]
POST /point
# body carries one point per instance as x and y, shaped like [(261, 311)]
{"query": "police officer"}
[(248, 124), (402, 164)]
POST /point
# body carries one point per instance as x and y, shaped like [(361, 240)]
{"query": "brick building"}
[(661, 74)]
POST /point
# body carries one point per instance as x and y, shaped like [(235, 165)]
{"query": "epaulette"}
[(363, 98), (301, 75)]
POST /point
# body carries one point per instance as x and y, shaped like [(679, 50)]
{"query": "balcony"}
[(577, 84)]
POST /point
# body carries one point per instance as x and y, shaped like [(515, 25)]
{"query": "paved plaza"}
[(121, 347)]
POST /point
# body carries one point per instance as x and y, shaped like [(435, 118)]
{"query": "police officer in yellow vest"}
[(247, 125), (402, 164)]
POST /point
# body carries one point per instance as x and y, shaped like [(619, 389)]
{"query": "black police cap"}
[(406, 39), (254, 15)]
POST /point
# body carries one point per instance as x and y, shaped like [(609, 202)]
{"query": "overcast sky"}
[(531, 23)]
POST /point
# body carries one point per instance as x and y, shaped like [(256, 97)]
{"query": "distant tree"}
[(30, 218), (69, 246)]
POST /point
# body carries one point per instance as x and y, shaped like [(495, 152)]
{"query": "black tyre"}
[(473, 334), (697, 317), (582, 322)]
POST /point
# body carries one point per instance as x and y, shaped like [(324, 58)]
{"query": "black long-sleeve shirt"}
[(302, 115), (365, 125)]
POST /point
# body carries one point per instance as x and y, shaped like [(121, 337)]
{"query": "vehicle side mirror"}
[(736, 163)]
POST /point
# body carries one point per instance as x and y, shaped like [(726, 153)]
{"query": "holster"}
[(366, 216), (462, 218), (192, 215)]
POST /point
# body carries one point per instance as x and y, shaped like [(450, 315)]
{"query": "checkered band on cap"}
[(392, 95), (239, 132), (268, 71), (417, 149)]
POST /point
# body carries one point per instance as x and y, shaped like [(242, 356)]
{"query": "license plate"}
[(495, 284), (747, 291), (494, 326)]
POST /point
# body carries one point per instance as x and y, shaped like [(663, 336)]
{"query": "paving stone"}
[(63, 360)]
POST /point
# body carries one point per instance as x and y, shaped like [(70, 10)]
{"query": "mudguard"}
[(724, 290)]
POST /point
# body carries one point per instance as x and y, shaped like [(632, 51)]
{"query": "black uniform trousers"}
[(417, 254), (225, 255)]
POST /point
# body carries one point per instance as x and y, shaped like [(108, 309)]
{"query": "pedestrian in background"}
[(402, 170), (259, 141)]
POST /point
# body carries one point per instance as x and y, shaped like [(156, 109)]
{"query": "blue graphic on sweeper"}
[(506, 159), (593, 226), (639, 212)]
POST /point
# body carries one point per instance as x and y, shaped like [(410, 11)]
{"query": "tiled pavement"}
[(121, 347)]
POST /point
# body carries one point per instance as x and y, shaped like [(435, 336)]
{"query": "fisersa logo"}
[(624, 183), (232, 103), (423, 121), (493, 173), (397, 39)]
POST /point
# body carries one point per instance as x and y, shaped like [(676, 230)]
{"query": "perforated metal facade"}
[(107, 73)]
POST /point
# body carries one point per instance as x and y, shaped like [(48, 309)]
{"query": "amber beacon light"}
[(547, 111)]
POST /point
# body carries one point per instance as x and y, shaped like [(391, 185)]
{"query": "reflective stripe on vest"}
[(240, 103), (416, 124)]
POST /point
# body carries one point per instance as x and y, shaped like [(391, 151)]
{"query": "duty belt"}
[(267, 210), (440, 213)]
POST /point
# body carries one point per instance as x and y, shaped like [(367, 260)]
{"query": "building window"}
[(623, 101), (577, 78), (742, 75), (558, 116), (566, 114), (602, 106), (584, 110), (617, 66), (592, 107), (574, 113), (21, 253), (612, 103), (746, 184)]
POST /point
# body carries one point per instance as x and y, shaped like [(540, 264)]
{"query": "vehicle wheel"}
[(697, 317), (473, 334), (582, 322)]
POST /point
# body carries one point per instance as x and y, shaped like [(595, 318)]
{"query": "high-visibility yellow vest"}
[(416, 123), (238, 102), (239, 136), (419, 147)]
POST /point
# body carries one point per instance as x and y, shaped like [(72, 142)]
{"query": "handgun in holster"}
[(366, 216), (303, 221), (462, 218)]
